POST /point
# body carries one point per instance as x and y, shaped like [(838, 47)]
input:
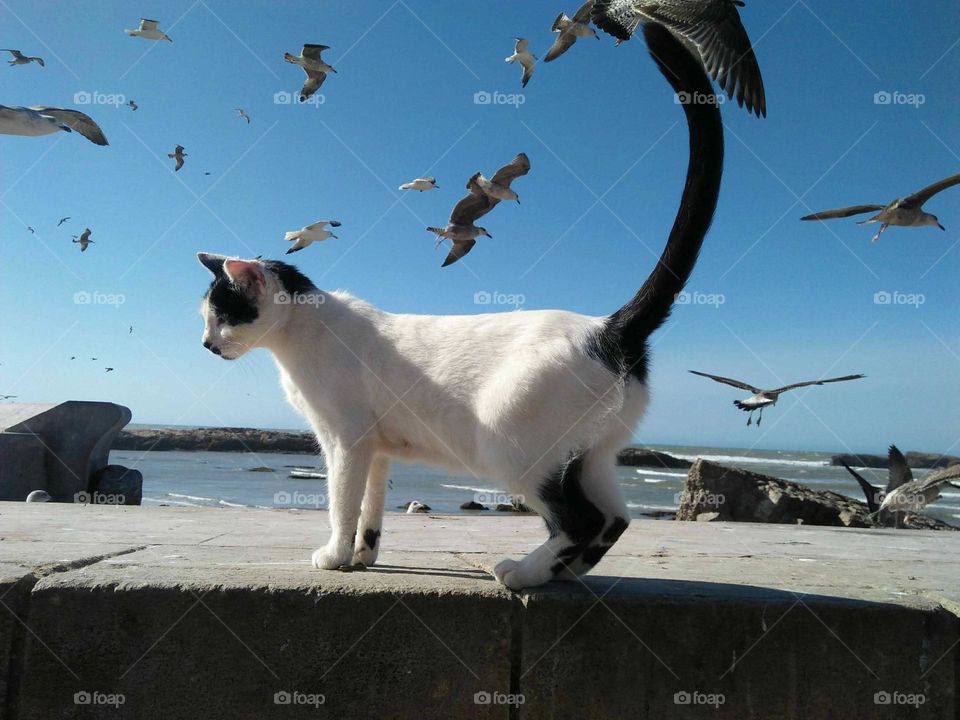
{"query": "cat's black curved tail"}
[(623, 342)]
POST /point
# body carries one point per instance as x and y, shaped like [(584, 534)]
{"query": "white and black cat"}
[(540, 401)]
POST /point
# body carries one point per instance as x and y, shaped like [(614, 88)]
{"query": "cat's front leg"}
[(346, 482), (367, 545)]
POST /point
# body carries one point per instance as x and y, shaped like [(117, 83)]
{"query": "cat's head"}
[(247, 301)]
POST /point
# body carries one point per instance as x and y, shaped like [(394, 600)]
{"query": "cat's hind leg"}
[(585, 514), (346, 483), (367, 544)]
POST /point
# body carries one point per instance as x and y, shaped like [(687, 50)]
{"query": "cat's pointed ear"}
[(246, 274), (213, 263)]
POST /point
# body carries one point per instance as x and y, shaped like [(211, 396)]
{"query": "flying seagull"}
[(710, 28), (243, 114), (178, 154), (148, 31), (569, 30), (20, 59), (63, 220), (313, 65), (421, 184), (526, 58), (905, 212), (498, 187), (916, 494), (8, 397), (109, 369), (899, 473), (30, 228), (132, 105), (43, 120), (460, 229), (761, 398), (309, 234), (84, 240)]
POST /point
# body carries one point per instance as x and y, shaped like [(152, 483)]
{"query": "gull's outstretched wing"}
[(458, 250), (794, 386), (520, 165), (728, 381), (81, 122), (843, 212), (921, 196)]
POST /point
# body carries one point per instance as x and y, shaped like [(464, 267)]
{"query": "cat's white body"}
[(538, 401)]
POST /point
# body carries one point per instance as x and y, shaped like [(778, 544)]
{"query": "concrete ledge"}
[(210, 613)]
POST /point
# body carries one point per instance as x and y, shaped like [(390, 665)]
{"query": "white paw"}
[(508, 573), (331, 556), (366, 556)]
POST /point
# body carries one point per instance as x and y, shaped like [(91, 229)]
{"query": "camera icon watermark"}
[(485, 97), (296, 498), (285, 298), (696, 697), (914, 300), (493, 498), (688, 297), (514, 300), (700, 498), (84, 297), (295, 697), (283, 97), (98, 498), (95, 97), (97, 697), (885, 697), (895, 97), (498, 698), (698, 98)]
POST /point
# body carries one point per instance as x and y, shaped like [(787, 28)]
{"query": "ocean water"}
[(221, 479)]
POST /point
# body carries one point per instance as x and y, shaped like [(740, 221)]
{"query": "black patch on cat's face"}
[(230, 304), (293, 281), (233, 307)]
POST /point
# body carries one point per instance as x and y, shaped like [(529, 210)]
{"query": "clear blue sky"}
[(608, 152)]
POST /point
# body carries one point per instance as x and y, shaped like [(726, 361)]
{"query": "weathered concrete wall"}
[(206, 613)]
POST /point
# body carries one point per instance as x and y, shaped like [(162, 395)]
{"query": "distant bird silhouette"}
[(310, 234), (905, 212), (84, 240), (523, 56), (313, 65), (132, 104), (710, 28), (178, 154), (243, 114), (43, 120), (762, 398), (421, 184), (30, 228), (569, 29), (148, 31), (7, 397), (109, 369), (62, 221), (20, 59)]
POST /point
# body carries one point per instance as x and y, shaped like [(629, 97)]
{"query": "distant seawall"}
[(300, 443)]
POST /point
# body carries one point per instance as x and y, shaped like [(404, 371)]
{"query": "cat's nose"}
[(210, 346)]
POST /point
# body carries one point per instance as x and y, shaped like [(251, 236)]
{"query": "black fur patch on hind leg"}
[(370, 537), (571, 512)]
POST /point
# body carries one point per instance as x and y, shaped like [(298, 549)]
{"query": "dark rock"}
[(914, 460), (217, 440), (262, 468), (714, 492), (471, 505), (115, 485), (641, 457)]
